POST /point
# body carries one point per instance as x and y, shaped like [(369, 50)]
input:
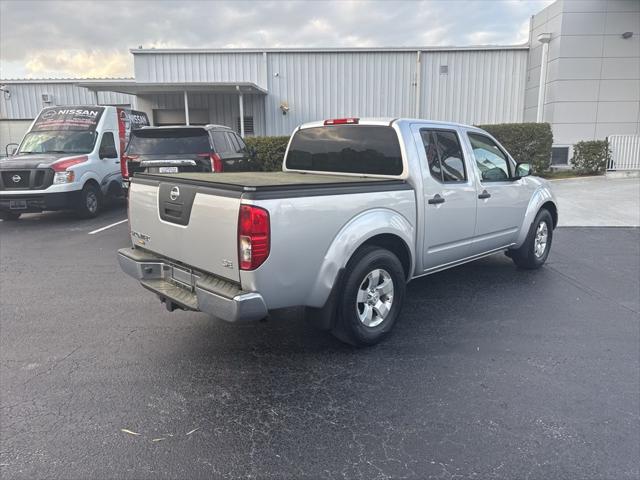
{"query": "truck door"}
[(449, 197), (502, 200)]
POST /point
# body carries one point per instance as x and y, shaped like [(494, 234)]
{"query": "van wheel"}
[(535, 249), (372, 296), (9, 216), (90, 201)]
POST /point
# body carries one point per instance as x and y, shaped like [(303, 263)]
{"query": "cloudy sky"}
[(49, 38)]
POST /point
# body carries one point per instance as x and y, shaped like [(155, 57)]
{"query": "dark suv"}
[(209, 148)]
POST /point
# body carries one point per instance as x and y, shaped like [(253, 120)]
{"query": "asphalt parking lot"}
[(492, 372)]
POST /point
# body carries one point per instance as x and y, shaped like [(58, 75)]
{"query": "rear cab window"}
[(444, 155), (167, 141), (356, 149)]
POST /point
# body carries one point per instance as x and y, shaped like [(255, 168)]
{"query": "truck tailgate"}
[(194, 225)]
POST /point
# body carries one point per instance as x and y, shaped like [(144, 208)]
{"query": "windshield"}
[(58, 142), (169, 142)]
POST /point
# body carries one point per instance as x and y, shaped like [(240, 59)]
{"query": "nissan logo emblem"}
[(173, 194), (16, 178)]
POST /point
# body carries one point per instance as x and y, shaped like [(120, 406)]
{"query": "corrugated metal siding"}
[(200, 67), (338, 84), (480, 86), (24, 100)]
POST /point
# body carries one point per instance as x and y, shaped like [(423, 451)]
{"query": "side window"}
[(431, 150), (220, 142), (108, 146), (233, 141), (450, 154), (444, 156), (241, 144), (492, 163)]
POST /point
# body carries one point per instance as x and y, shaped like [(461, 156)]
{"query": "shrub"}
[(269, 151), (591, 156), (526, 142)]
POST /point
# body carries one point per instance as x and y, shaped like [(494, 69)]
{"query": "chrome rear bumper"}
[(189, 290)]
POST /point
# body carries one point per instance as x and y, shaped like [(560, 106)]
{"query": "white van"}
[(71, 158)]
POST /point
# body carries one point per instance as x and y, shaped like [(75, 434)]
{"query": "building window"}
[(560, 156), (248, 125)]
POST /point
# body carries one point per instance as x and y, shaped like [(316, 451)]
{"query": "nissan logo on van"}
[(174, 193), (16, 178)]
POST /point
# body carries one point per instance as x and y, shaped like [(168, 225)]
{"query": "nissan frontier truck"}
[(361, 207)]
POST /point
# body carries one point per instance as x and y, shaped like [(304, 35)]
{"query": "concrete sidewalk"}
[(598, 201)]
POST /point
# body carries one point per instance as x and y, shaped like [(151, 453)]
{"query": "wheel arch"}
[(381, 226), (542, 197), (553, 210)]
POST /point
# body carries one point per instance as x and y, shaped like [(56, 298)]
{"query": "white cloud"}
[(92, 38)]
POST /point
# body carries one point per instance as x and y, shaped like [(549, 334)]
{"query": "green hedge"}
[(269, 151), (526, 142), (591, 156)]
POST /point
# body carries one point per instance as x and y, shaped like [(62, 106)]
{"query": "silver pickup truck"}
[(361, 207)]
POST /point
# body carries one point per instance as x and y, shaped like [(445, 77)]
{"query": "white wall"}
[(12, 131), (593, 75)]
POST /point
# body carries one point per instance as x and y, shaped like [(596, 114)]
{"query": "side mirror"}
[(10, 149), (108, 152), (523, 170)]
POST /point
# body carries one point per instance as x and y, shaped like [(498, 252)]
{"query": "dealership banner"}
[(61, 118)]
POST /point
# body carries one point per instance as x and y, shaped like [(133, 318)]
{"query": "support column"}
[(241, 105), (418, 84), (186, 108), (543, 38)]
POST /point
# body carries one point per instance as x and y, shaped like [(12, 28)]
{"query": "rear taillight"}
[(62, 165), (253, 236), (216, 161), (124, 165), (342, 121)]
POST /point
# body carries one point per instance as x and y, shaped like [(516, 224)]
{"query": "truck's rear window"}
[(366, 149), (165, 141)]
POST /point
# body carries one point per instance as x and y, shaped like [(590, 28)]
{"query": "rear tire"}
[(9, 216), (535, 249), (90, 201), (372, 296)]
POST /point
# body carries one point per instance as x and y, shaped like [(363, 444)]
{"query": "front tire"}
[(535, 249), (90, 201), (372, 296), (9, 216)]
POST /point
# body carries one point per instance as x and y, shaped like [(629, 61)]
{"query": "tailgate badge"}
[(174, 193), (227, 263)]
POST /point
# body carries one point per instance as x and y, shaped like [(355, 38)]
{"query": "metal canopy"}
[(132, 87)]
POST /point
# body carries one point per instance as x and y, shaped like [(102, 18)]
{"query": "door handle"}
[(117, 161), (435, 200), (484, 195)]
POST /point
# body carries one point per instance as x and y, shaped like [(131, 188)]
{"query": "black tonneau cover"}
[(264, 185)]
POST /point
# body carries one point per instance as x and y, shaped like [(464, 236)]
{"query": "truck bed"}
[(271, 181)]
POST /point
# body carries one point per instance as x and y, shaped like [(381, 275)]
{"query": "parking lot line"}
[(102, 229)]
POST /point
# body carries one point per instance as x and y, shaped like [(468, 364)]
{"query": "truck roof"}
[(388, 121)]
